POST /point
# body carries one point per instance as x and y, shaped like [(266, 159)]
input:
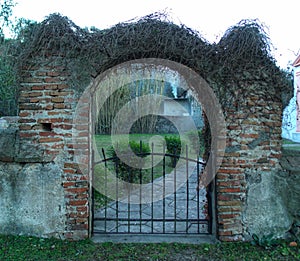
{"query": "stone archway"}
[(249, 94)]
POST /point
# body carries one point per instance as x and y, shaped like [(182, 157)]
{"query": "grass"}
[(290, 147), (105, 141), (31, 248), (286, 141)]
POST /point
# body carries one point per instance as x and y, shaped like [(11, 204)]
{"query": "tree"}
[(5, 14), (7, 72), (8, 80), (120, 99)]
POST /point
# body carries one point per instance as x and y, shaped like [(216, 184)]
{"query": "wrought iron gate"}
[(188, 210)]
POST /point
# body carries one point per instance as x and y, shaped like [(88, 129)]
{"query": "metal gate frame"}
[(209, 221)]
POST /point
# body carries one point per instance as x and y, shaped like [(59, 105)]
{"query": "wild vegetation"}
[(244, 48), (31, 248)]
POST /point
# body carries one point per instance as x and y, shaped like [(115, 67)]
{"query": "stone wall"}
[(246, 177), (42, 160), (44, 192), (31, 196)]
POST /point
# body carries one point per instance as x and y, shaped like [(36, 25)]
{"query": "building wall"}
[(297, 94), (291, 118)]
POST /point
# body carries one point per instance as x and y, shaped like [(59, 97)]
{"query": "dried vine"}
[(243, 53)]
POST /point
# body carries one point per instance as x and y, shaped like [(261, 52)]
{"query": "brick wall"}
[(46, 121), (47, 107), (253, 148)]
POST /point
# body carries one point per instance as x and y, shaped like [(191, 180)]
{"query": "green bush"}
[(174, 146), (124, 168)]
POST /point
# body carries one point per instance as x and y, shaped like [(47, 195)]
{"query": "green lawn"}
[(286, 141), (31, 248)]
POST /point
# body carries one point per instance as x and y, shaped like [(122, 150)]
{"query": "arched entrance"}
[(180, 201), (57, 68)]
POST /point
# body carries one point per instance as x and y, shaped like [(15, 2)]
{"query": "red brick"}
[(48, 107), (69, 184), (80, 227), (78, 202), (229, 203), (24, 114), (48, 139), (51, 152), (53, 73), (77, 190), (82, 220), (71, 165), (229, 183), (249, 135), (57, 146), (59, 106), (26, 120), (69, 171), (37, 87), (82, 209), (231, 171), (27, 134), (225, 233), (62, 86), (47, 133), (33, 80), (35, 94), (34, 100), (79, 215), (65, 126), (58, 93), (51, 87), (25, 127), (57, 100), (52, 80), (40, 73), (230, 190)]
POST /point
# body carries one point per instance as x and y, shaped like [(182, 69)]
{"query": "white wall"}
[(289, 121)]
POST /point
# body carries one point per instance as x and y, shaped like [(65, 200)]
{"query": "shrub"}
[(124, 168), (174, 146)]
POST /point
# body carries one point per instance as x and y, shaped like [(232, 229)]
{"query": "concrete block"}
[(31, 200)]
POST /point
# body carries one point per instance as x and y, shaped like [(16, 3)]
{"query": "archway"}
[(113, 188), (57, 66)]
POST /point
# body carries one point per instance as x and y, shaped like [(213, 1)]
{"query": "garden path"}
[(177, 212)]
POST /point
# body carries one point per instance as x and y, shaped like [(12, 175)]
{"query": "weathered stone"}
[(265, 210), (31, 199), (292, 198), (234, 148), (29, 152), (262, 137), (7, 144)]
